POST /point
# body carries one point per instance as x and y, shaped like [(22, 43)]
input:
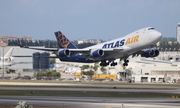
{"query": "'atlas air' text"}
[(116, 44)]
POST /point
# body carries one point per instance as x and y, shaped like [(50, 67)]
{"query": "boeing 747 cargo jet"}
[(106, 52)]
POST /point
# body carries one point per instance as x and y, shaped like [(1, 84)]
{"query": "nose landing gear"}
[(105, 63)]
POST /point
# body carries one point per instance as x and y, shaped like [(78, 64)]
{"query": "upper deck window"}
[(150, 28)]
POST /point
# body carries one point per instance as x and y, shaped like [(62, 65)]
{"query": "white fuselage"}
[(6, 62)]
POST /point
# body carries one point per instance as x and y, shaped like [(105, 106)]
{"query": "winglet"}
[(63, 42)]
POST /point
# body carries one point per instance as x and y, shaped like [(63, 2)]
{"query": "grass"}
[(85, 94)]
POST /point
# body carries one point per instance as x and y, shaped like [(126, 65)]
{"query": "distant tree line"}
[(91, 70), (48, 74), (46, 43), (169, 46)]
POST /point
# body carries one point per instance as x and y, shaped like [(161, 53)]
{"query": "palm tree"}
[(95, 67), (83, 68), (103, 69)]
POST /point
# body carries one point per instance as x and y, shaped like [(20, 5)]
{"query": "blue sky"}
[(87, 19)]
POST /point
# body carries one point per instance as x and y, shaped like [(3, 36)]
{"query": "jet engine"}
[(64, 53), (97, 53), (150, 53)]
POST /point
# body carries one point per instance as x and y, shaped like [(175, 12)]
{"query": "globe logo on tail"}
[(62, 40)]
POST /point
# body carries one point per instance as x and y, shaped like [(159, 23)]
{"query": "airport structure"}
[(24, 64), (178, 33), (93, 41), (40, 61)]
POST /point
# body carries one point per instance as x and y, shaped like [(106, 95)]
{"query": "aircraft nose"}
[(156, 35)]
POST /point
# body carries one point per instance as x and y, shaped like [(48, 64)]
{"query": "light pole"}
[(162, 50), (169, 49), (3, 63), (166, 50)]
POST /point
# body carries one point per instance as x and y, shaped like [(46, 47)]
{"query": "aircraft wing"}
[(44, 49), (137, 53), (83, 52), (113, 49), (87, 52), (147, 52)]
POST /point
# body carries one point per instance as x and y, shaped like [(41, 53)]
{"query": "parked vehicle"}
[(77, 80)]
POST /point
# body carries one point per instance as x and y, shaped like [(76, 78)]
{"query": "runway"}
[(89, 102), (79, 102)]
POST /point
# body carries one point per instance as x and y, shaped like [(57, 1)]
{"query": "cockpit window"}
[(150, 28)]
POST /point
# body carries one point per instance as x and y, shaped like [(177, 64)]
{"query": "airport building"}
[(93, 41), (178, 33), (23, 60)]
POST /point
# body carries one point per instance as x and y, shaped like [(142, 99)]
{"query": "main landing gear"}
[(105, 63), (113, 63), (125, 62)]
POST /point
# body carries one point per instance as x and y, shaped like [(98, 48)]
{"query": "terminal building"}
[(24, 62)]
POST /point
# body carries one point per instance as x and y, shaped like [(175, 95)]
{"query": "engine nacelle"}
[(97, 53), (64, 53), (150, 53)]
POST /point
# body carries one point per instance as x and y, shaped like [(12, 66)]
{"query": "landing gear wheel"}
[(125, 64), (104, 63), (127, 61), (113, 63)]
